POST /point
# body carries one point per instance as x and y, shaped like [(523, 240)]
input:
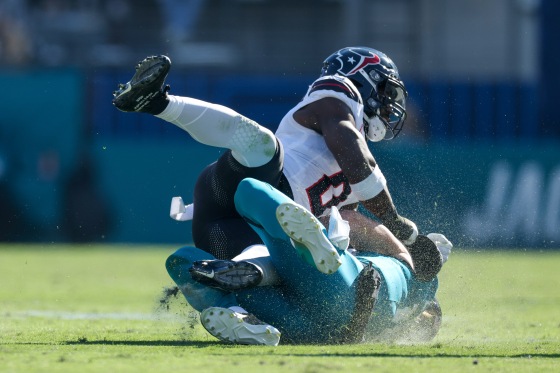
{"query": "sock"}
[(258, 256), (251, 144)]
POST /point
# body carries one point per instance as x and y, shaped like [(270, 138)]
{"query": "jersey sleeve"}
[(341, 88), (336, 84)]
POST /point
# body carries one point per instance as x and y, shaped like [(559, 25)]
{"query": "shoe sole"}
[(301, 226), (160, 66), (227, 326)]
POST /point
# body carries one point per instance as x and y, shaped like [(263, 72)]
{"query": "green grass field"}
[(96, 309)]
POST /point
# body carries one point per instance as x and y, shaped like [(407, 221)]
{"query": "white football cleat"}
[(235, 327), (304, 228)]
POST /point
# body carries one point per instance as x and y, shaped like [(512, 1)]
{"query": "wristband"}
[(370, 186)]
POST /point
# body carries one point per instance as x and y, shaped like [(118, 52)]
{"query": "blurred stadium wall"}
[(479, 159)]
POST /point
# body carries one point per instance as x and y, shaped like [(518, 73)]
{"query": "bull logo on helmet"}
[(355, 60)]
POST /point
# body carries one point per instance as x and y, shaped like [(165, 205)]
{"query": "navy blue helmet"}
[(382, 91)]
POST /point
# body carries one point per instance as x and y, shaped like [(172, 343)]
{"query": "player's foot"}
[(304, 228), (145, 92), (234, 327), (226, 274)]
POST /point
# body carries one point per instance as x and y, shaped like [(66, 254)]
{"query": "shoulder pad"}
[(336, 83)]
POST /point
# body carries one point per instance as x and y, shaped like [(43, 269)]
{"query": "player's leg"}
[(281, 307), (279, 217), (198, 295), (252, 267), (258, 203), (300, 317), (251, 144), (217, 226), (317, 315), (221, 314)]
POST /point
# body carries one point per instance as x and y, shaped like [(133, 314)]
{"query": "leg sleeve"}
[(251, 144)]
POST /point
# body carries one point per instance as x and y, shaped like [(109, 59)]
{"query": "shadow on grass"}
[(145, 343), (430, 356), (279, 351)]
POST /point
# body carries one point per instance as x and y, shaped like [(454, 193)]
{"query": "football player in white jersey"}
[(319, 155)]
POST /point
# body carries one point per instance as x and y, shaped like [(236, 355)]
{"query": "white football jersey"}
[(316, 180)]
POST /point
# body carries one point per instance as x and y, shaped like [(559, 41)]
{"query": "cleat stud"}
[(281, 214), (207, 320), (333, 253), (212, 328), (231, 315), (322, 261), (211, 313), (221, 313), (268, 331)]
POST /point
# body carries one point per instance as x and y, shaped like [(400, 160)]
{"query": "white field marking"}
[(67, 315)]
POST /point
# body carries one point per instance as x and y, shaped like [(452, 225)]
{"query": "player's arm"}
[(334, 120), (366, 233)]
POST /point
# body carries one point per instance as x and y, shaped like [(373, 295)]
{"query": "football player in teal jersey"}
[(309, 295)]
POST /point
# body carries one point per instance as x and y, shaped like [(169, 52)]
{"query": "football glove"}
[(443, 244), (426, 258), (404, 229)]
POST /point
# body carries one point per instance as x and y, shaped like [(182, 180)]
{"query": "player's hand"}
[(443, 244), (404, 229), (426, 257)]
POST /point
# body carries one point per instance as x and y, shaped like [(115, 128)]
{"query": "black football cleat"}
[(226, 274), (145, 92)]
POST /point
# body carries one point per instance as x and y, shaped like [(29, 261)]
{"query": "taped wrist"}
[(370, 186)]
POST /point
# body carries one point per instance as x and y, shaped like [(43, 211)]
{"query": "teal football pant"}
[(308, 306)]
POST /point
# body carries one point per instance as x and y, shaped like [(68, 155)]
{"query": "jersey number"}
[(327, 192)]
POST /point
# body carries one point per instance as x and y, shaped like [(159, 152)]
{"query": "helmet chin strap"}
[(376, 129)]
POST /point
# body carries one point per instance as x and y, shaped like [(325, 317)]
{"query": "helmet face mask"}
[(392, 112), (377, 79)]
